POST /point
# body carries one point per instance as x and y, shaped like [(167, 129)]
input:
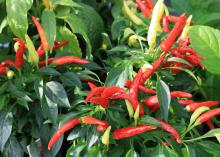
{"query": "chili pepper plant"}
[(107, 78)]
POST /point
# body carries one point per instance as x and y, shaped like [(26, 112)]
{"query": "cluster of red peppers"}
[(43, 48), (105, 96), (146, 7)]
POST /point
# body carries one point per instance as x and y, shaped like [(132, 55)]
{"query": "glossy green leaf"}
[(57, 94), (70, 79), (117, 76), (49, 26), (75, 150), (211, 133), (163, 93), (17, 16), (5, 128), (13, 148), (206, 41), (34, 149), (132, 153), (73, 46)]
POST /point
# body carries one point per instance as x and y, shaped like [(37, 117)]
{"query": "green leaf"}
[(211, 147), (5, 128), (48, 71), (57, 94), (73, 45), (207, 18), (17, 16), (75, 150), (70, 79), (49, 26), (51, 109), (163, 93), (117, 76), (34, 149), (206, 41), (32, 54), (132, 153), (150, 120), (13, 148), (76, 133), (68, 3), (211, 133), (180, 60)]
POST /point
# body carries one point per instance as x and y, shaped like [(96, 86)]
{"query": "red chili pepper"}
[(170, 129), (193, 106), (94, 121), (42, 34), (134, 87), (91, 85), (113, 90), (208, 115), (56, 45), (180, 94), (210, 124), (65, 127), (43, 63), (94, 92), (141, 88), (133, 102), (131, 131), (146, 12), (101, 101), (185, 102), (166, 24), (149, 4), (168, 42), (3, 70), (7, 63), (19, 60), (63, 60), (167, 19), (101, 128), (156, 65), (69, 59)]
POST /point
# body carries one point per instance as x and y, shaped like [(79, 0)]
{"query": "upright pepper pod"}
[(42, 34), (186, 28), (136, 20), (146, 12), (168, 42), (19, 60), (154, 27)]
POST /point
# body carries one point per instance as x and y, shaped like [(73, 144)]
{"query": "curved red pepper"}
[(134, 87), (170, 129), (3, 70), (112, 90), (101, 101), (42, 34), (7, 63), (208, 115), (141, 88), (56, 45), (185, 102), (131, 131), (65, 127), (94, 121), (210, 124), (168, 42), (19, 60), (193, 106)]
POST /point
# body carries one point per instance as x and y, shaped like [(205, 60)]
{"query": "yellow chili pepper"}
[(155, 23)]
